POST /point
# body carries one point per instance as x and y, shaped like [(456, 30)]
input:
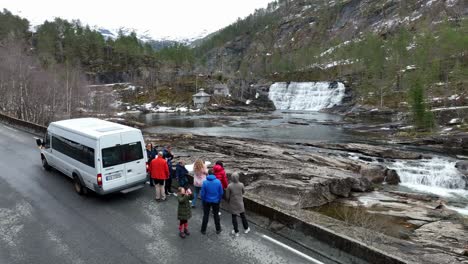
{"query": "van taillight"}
[(147, 166), (99, 179)]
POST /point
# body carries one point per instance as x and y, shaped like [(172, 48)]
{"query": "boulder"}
[(374, 173), (462, 166), (361, 185), (392, 177)]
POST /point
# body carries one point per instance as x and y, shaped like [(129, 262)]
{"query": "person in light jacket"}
[(199, 175), (234, 197)]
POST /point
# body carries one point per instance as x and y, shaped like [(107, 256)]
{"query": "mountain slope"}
[(302, 29)]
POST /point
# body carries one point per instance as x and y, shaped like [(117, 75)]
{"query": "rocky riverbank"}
[(297, 178)]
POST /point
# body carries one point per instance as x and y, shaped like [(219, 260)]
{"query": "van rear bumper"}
[(100, 191)]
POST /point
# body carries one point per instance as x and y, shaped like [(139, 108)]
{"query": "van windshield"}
[(121, 154)]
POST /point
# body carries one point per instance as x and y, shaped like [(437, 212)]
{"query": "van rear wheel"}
[(79, 188), (45, 164)]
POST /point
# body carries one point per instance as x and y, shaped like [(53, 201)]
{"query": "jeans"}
[(244, 222), (168, 185), (196, 191), (206, 214)]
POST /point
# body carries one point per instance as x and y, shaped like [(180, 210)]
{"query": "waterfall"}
[(311, 96), (436, 175)]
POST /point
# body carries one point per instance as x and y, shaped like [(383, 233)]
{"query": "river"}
[(273, 126)]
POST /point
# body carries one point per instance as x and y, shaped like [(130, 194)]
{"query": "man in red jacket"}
[(159, 173)]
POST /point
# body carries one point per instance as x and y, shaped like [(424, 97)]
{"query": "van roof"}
[(92, 127)]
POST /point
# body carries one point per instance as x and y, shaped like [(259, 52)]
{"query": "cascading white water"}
[(436, 175), (311, 96)]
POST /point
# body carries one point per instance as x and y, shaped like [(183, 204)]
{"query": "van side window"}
[(121, 154), (47, 141), (74, 150)]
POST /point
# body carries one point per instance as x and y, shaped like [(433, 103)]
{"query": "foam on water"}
[(310, 96)]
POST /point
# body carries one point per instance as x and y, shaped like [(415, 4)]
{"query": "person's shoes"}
[(233, 232), (218, 231), (186, 232), (157, 200), (193, 206), (203, 232), (163, 199), (247, 230), (182, 234), (175, 194)]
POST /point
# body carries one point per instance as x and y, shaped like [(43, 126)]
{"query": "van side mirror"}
[(39, 142)]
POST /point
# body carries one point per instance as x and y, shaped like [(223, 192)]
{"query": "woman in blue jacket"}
[(211, 195)]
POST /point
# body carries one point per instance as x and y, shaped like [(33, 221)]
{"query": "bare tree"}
[(35, 94)]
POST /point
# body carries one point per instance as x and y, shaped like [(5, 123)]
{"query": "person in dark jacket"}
[(184, 210), (181, 174), (167, 154), (211, 195), (235, 199), (151, 154)]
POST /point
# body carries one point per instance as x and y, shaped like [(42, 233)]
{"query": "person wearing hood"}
[(220, 173), (235, 199), (211, 195), (181, 174)]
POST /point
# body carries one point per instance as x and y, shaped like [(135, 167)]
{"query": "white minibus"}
[(98, 155)]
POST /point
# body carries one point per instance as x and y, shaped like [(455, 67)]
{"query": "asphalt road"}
[(42, 220)]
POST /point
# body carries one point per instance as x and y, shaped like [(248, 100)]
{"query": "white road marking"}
[(309, 258), (12, 129)]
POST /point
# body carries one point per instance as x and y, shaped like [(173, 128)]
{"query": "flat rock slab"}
[(372, 150)]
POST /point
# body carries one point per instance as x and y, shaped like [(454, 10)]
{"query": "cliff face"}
[(293, 35)]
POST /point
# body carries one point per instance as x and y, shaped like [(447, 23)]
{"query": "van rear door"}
[(113, 164), (135, 166)]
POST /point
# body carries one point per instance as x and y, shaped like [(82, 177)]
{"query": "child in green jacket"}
[(184, 210)]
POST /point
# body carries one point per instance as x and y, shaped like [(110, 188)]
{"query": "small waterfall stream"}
[(309, 96), (436, 175)]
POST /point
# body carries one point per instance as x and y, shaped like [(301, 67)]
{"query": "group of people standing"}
[(211, 185), (158, 168)]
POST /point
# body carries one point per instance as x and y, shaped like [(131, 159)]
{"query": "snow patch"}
[(62, 249), (451, 3), (449, 108), (11, 222)]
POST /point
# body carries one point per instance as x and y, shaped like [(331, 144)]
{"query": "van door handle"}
[(138, 162), (129, 170)]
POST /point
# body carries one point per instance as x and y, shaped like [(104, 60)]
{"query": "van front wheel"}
[(45, 164), (79, 188)]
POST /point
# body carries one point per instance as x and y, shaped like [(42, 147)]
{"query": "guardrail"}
[(23, 125), (327, 236)]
